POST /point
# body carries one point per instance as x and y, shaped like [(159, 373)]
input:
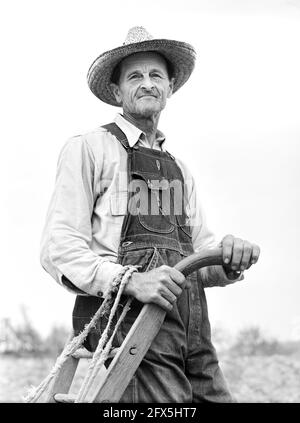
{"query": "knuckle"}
[(159, 290), (182, 278), (155, 297), (239, 242), (256, 254), (179, 292), (227, 241), (180, 281), (166, 271), (161, 278), (245, 261), (248, 248)]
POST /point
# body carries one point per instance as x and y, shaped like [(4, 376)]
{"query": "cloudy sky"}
[(235, 123)]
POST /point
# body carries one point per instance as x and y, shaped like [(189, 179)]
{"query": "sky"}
[(235, 123)]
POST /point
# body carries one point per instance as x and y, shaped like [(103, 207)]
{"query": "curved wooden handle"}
[(207, 257), (142, 332)]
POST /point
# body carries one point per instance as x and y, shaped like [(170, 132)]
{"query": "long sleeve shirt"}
[(81, 236)]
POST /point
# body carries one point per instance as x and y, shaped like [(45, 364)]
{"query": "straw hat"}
[(180, 54)]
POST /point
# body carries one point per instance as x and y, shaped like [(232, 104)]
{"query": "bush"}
[(25, 339), (56, 340), (250, 341)]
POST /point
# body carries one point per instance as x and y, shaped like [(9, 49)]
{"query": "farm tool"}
[(110, 383)]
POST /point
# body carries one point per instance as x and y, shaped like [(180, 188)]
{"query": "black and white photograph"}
[(150, 188)]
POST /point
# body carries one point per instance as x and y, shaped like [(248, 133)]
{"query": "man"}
[(97, 223)]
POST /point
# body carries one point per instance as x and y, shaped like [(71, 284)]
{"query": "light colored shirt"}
[(81, 236)]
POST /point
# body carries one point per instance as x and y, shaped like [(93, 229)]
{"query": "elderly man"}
[(97, 224)]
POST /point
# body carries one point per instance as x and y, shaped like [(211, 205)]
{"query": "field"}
[(265, 379)]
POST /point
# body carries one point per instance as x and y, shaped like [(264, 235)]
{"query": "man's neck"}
[(147, 125)]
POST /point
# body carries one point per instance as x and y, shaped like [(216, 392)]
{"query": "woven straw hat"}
[(180, 54)]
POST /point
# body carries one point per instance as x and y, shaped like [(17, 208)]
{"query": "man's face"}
[(144, 84)]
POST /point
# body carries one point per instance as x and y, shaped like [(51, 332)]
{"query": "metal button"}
[(99, 293)]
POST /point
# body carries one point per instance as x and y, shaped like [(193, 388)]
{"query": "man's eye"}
[(156, 75), (134, 76)]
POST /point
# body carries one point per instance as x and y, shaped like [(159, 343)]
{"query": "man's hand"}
[(238, 255), (161, 286)]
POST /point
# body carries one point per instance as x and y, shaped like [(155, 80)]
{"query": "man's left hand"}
[(238, 255)]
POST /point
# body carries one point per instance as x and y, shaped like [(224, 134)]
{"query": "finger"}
[(246, 257), (169, 296), (187, 285), (162, 302), (255, 253), (172, 287), (237, 253), (165, 280), (177, 276), (227, 246)]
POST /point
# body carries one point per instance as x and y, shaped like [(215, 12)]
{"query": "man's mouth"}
[(148, 95)]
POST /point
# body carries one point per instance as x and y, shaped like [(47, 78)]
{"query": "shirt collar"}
[(134, 134)]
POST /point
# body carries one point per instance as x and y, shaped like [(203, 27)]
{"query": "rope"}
[(118, 285), (101, 355), (99, 360)]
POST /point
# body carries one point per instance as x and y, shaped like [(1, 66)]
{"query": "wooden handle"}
[(207, 257), (142, 333)]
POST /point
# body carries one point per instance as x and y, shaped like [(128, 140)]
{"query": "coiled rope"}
[(109, 305)]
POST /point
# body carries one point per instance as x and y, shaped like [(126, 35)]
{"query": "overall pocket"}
[(152, 202), (147, 258)]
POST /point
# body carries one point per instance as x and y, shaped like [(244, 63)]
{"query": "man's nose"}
[(147, 83)]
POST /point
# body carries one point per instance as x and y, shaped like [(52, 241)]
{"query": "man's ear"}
[(171, 87), (116, 92)]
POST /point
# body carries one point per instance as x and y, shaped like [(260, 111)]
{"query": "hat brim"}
[(181, 55)]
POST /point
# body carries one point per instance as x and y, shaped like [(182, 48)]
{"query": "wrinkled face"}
[(144, 84)]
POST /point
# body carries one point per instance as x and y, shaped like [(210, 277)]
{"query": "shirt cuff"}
[(100, 285), (216, 276), (105, 275)]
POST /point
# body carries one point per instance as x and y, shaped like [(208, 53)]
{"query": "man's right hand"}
[(161, 286)]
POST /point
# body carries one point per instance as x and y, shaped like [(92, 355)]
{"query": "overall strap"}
[(116, 131)]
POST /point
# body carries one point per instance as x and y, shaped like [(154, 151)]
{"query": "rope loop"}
[(109, 305)]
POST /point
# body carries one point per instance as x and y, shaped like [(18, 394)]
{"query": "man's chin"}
[(148, 111)]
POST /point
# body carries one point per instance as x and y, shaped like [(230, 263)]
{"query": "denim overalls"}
[(181, 363)]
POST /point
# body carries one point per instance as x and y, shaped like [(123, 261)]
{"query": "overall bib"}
[(181, 364)]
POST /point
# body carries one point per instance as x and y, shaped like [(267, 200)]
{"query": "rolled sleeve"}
[(67, 236)]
